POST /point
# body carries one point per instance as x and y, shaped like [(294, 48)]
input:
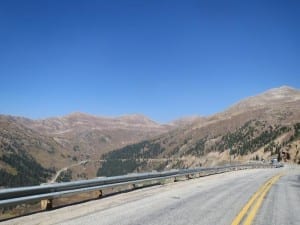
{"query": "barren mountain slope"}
[(96, 135), (56, 143), (255, 128), (260, 127)]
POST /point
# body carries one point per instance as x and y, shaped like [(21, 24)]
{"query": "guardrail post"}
[(100, 194), (46, 204), (189, 176)]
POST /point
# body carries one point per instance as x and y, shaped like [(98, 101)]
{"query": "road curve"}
[(282, 206), (216, 199)]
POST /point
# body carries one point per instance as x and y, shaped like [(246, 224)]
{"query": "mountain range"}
[(81, 146)]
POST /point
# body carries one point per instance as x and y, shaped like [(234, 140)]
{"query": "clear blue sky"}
[(164, 59)]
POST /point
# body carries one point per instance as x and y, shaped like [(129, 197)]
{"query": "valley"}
[(83, 146)]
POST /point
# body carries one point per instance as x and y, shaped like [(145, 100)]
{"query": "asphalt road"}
[(216, 199), (282, 205)]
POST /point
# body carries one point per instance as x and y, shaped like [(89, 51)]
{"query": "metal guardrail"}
[(48, 192)]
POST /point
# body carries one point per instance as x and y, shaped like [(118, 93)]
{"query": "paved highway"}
[(282, 205), (218, 199)]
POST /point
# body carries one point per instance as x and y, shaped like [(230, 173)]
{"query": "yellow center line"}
[(258, 203), (243, 212), (257, 195)]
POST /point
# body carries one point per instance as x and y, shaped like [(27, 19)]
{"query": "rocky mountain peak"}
[(274, 96), (282, 92), (136, 118)]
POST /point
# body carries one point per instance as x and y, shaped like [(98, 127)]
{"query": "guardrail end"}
[(46, 204)]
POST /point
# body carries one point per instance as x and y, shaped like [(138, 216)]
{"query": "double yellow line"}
[(249, 211)]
